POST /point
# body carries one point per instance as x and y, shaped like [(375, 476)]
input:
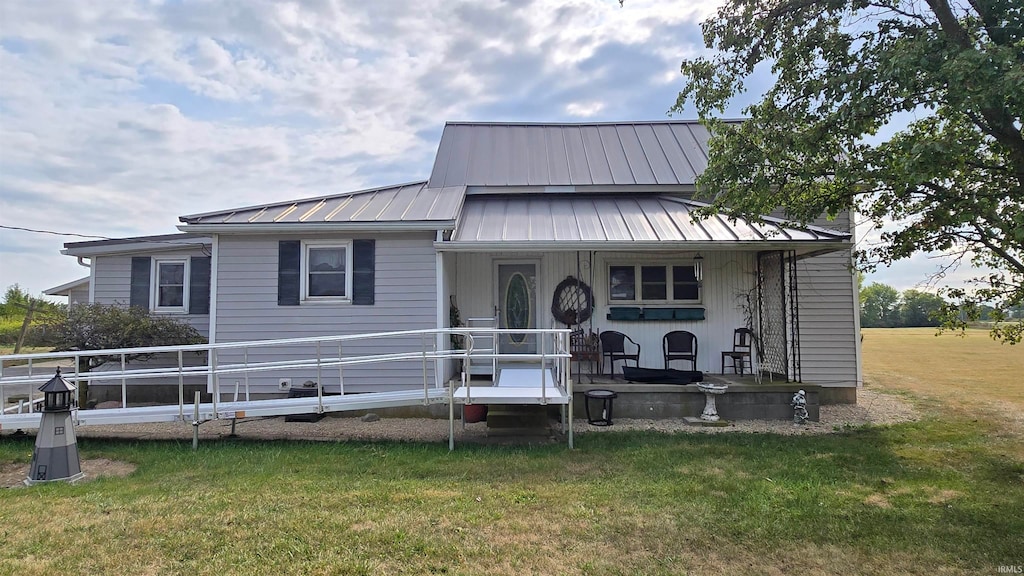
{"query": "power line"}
[(92, 237), (54, 233)]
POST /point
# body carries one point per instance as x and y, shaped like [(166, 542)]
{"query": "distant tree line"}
[(882, 306)]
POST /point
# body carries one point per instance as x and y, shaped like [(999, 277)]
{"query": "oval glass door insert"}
[(517, 305)]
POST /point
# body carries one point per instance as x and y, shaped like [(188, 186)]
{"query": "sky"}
[(118, 117)]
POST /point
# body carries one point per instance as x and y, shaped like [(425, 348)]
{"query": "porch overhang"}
[(802, 250), (647, 222)]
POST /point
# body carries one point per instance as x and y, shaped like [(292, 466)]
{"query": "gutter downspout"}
[(92, 277)]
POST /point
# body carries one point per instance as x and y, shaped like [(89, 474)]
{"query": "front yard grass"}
[(944, 495), (929, 497)]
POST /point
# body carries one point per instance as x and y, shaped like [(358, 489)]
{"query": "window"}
[(170, 286), (326, 271), (657, 283)]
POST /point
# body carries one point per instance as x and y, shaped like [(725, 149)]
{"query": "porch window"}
[(170, 290), (658, 283), (325, 271)]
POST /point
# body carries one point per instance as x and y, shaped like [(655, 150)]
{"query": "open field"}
[(968, 372), (944, 495)]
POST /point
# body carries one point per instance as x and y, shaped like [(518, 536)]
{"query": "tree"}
[(19, 306), (104, 327), (879, 306), (952, 179), (920, 308)]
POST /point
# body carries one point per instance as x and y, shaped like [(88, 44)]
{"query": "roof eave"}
[(64, 289), (804, 248), (306, 227), (133, 247)]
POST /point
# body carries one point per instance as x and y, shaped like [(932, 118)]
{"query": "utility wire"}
[(92, 237)]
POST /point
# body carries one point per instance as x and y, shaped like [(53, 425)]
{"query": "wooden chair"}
[(679, 345), (583, 347), (613, 346), (742, 345)]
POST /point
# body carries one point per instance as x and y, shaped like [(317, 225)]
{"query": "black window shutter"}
[(363, 264), (199, 285), (289, 253), (140, 282)]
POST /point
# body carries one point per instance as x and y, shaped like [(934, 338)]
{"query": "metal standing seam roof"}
[(622, 153), (544, 218), (407, 203)]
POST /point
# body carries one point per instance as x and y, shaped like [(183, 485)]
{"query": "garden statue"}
[(799, 405)]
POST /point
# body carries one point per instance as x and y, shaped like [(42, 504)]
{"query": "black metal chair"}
[(679, 345), (613, 346), (742, 345)]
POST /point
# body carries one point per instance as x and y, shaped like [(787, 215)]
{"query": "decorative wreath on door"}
[(573, 302)]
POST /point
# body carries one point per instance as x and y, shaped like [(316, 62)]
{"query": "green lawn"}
[(941, 496)]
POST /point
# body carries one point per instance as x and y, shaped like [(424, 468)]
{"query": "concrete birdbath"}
[(711, 390)]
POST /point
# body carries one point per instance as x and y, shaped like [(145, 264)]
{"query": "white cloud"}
[(584, 109), (117, 116)]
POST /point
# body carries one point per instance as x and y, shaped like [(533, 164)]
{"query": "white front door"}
[(516, 298)]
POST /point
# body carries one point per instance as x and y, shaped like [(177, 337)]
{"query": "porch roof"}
[(622, 222)]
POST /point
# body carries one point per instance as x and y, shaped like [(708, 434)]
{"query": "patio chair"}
[(679, 345), (583, 347), (613, 346), (742, 344)]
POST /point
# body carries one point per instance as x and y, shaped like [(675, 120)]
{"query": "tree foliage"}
[(101, 327), (918, 308), (951, 179), (879, 306)]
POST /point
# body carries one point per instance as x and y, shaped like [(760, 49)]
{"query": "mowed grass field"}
[(971, 371), (941, 496)]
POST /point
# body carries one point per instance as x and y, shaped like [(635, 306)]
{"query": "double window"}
[(170, 285), (326, 271), (653, 283)]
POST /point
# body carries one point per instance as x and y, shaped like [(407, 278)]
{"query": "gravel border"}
[(873, 407)]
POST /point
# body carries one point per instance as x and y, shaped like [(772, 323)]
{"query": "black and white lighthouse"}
[(56, 454)]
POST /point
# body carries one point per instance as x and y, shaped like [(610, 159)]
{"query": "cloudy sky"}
[(118, 117)]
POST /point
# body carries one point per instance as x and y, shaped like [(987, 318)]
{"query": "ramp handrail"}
[(31, 373)]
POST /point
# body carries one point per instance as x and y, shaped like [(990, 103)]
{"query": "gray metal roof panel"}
[(557, 158), (656, 156), (636, 155), (402, 203), (576, 158), (618, 219), (624, 153)]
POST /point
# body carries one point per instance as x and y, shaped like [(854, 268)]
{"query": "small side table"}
[(606, 398)]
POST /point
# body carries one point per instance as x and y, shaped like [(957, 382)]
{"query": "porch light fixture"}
[(698, 267)]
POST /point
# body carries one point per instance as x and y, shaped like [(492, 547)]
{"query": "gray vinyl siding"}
[(405, 288), (828, 316), (113, 278), (79, 295)]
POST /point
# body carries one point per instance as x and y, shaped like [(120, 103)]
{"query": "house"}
[(77, 291), (507, 214)]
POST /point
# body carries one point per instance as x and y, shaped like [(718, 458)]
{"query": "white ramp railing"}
[(238, 362)]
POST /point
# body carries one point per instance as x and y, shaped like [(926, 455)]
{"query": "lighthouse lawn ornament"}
[(56, 454)]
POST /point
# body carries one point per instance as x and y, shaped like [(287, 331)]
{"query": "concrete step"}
[(517, 417), (530, 432)]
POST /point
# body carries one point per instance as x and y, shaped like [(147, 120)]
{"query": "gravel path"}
[(872, 408)]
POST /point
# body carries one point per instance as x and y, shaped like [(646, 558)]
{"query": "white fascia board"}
[(305, 228), (136, 247), (810, 246)]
